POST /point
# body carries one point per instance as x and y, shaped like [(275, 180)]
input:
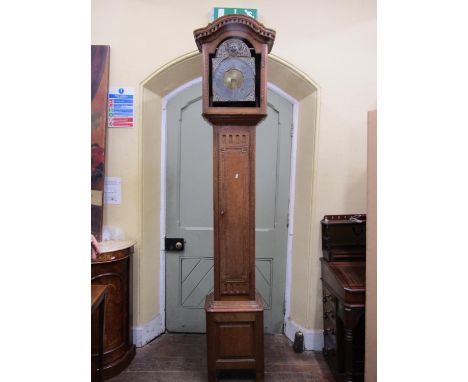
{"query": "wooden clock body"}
[(234, 312)]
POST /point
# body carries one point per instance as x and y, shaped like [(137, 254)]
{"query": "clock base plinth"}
[(234, 331)]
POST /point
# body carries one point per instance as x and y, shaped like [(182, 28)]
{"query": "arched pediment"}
[(234, 23)]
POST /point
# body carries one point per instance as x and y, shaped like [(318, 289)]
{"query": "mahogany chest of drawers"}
[(344, 295)]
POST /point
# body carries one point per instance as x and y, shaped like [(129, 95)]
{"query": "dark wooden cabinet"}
[(344, 294), (98, 300), (344, 237), (113, 269)]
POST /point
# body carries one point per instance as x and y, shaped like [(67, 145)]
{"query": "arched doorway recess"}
[(288, 81)]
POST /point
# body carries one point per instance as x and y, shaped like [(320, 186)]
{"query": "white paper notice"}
[(112, 190)]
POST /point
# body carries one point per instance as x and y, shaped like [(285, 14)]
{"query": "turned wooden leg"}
[(212, 375), (259, 376), (102, 312), (349, 355)]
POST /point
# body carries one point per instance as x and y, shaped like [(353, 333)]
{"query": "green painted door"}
[(189, 210)]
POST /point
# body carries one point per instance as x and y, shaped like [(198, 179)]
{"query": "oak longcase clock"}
[(235, 56)]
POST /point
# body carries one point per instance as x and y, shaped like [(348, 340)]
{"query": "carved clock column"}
[(235, 56)]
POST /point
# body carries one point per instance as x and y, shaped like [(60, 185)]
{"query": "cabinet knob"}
[(329, 331), (328, 313)]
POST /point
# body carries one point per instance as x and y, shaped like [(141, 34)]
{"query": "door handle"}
[(174, 244)]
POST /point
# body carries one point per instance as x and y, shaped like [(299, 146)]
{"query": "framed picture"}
[(99, 92)]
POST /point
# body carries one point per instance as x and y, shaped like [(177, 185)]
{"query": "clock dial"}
[(234, 80)]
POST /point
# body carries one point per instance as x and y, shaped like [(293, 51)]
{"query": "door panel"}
[(189, 210)]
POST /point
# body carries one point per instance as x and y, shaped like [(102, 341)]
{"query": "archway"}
[(283, 78)]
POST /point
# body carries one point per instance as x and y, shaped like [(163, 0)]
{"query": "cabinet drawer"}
[(329, 304), (329, 325), (332, 331), (328, 298)]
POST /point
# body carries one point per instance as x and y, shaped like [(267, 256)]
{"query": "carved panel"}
[(236, 340), (234, 185), (233, 48), (235, 288)]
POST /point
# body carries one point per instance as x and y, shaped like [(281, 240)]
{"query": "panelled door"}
[(189, 210)]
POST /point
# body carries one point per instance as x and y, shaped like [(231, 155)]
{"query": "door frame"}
[(162, 216)]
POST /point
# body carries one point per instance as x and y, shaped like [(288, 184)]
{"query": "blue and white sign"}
[(121, 107)]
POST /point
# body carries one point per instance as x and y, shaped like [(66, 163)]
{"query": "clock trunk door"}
[(189, 210)]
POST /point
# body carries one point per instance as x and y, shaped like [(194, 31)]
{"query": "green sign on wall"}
[(218, 12)]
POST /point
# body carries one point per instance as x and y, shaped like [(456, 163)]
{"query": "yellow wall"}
[(371, 251), (332, 41)]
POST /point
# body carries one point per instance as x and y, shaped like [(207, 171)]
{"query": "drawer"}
[(330, 345), (327, 297), (329, 326), (329, 314), (329, 303), (344, 254)]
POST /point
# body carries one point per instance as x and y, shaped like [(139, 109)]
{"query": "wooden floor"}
[(182, 358)]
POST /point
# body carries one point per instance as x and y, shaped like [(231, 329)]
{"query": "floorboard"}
[(182, 358)]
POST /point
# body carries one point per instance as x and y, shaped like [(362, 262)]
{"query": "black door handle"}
[(174, 244)]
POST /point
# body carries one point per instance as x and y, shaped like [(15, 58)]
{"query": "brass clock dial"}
[(234, 80), (233, 68)]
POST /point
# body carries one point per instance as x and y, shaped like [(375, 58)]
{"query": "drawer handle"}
[(328, 313), (330, 331)]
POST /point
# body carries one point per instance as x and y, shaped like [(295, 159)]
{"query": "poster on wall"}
[(100, 55), (121, 107)]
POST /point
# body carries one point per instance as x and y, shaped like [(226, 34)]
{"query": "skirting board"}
[(313, 339), (144, 334)]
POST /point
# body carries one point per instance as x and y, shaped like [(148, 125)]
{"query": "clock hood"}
[(234, 23)]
